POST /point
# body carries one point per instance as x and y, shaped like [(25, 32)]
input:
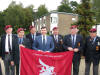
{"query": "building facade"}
[(61, 20)]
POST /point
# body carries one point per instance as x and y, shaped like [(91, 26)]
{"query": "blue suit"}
[(49, 46)]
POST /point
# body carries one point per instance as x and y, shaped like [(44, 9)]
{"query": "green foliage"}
[(65, 2), (86, 17), (42, 10), (64, 8), (1, 23), (74, 5), (17, 16), (67, 7), (96, 9)]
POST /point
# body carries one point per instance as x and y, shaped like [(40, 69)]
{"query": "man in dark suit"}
[(74, 42), (58, 40), (32, 35), (20, 41), (43, 42), (8, 48), (92, 52)]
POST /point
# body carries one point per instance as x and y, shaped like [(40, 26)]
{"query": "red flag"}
[(34, 62)]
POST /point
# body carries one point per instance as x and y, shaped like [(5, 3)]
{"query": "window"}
[(53, 20)]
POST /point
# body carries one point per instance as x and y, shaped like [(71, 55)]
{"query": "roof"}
[(59, 13)]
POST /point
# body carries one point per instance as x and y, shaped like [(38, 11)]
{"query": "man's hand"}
[(76, 49), (22, 45), (47, 51), (70, 48), (40, 50), (12, 63)]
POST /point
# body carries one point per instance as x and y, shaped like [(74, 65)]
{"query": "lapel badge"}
[(98, 43), (79, 44), (97, 48), (61, 41)]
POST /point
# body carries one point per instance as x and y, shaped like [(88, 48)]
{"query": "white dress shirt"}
[(45, 39), (6, 43), (34, 36), (74, 38), (56, 37)]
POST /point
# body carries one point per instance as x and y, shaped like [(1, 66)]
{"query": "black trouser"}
[(87, 68), (9, 69), (76, 64), (17, 69)]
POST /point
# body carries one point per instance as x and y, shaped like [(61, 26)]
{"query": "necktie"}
[(20, 41), (56, 38), (92, 40), (73, 41), (43, 42), (33, 37), (9, 43)]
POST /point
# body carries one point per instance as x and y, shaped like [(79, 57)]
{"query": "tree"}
[(73, 5), (14, 15), (42, 10), (18, 16), (64, 8), (86, 16), (96, 9), (65, 2), (1, 23), (29, 16)]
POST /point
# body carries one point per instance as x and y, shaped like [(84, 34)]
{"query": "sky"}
[(50, 4)]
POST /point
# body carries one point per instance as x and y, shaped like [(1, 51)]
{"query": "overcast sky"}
[(50, 4)]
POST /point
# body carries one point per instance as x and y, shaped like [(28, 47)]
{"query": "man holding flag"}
[(74, 42), (41, 61), (20, 41)]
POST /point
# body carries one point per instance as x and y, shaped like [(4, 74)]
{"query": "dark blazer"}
[(3, 38), (25, 42), (58, 45), (37, 45), (68, 42), (0, 47), (92, 50), (29, 36)]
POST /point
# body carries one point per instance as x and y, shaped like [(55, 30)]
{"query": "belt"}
[(7, 52)]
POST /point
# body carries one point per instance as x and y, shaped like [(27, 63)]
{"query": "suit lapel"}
[(70, 39), (47, 39), (40, 40), (23, 42), (76, 39), (59, 38), (30, 36), (4, 38)]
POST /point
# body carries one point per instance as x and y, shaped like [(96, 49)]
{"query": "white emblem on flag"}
[(46, 69)]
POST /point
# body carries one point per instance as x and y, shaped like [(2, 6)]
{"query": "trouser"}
[(76, 64), (17, 69), (9, 69), (87, 68), (0, 70)]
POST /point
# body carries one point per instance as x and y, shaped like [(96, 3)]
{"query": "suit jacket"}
[(58, 45), (67, 42), (29, 36), (25, 42), (37, 45), (0, 47), (3, 38), (92, 49)]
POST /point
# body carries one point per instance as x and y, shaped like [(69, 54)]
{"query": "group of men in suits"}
[(10, 47)]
